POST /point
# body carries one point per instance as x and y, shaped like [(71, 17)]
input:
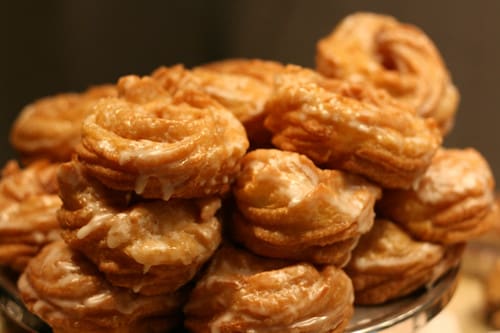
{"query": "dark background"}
[(55, 46)]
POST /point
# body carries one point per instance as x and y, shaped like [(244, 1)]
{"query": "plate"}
[(411, 312)]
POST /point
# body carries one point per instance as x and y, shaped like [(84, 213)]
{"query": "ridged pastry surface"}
[(452, 202), (50, 127), (64, 289), (388, 263), (241, 292), (162, 144), (397, 57), (352, 127), (150, 246), (28, 211), (289, 208)]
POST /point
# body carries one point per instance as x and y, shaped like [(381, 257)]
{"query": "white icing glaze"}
[(157, 251), (453, 173), (350, 201), (167, 189), (138, 287), (69, 278), (421, 252), (97, 299), (290, 178), (95, 223), (120, 231), (215, 326), (38, 237), (145, 150), (106, 146), (140, 183)]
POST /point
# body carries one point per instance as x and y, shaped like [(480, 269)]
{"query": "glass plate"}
[(411, 312)]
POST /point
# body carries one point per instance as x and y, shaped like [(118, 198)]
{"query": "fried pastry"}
[(28, 206), (243, 95), (162, 145), (262, 70), (343, 125), (152, 246), (65, 290), (241, 292), (288, 208), (242, 86), (397, 57), (452, 202), (388, 264), (50, 127)]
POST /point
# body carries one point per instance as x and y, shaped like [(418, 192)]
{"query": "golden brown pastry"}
[(400, 58), (388, 264), (288, 208), (65, 290), (452, 202), (242, 86), (241, 292), (151, 246), (28, 206), (162, 145), (351, 127), (50, 127), (243, 95), (262, 70)]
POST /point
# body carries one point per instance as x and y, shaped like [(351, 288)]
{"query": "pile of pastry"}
[(244, 195)]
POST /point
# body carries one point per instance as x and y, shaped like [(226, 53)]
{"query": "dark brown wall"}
[(51, 46)]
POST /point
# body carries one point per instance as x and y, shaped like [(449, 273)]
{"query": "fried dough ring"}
[(397, 57), (241, 292), (387, 263), (348, 126), (151, 246), (288, 208), (182, 146), (242, 86), (50, 127), (244, 96), (28, 206), (450, 203), (64, 289)]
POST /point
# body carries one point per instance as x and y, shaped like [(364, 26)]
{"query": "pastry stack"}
[(251, 196)]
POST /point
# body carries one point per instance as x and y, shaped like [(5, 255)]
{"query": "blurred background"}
[(54, 46)]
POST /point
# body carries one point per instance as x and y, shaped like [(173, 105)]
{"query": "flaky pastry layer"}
[(352, 127), (388, 264), (452, 202), (65, 290), (241, 85), (149, 246), (50, 127), (289, 208), (28, 206), (397, 57), (162, 145), (241, 292)]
